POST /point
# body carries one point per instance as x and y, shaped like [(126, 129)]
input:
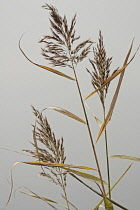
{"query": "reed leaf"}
[(69, 114), (86, 176), (40, 197), (97, 120), (48, 164), (97, 206), (126, 157), (44, 67), (44, 199)]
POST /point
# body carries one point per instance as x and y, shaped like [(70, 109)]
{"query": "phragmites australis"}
[(50, 150), (101, 68), (60, 48)]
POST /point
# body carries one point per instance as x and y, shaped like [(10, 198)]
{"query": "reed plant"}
[(64, 48)]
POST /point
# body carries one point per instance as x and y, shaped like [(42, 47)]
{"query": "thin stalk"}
[(107, 156), (71, 204), (63, 185), (89, 130), (112, 201), (64, 190)]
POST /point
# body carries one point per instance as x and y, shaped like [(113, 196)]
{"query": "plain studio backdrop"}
[(23, 84)]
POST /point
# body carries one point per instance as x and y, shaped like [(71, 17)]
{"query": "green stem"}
[(107, 159)]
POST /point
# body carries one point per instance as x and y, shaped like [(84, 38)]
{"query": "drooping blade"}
[(45, 67), (66, 112)]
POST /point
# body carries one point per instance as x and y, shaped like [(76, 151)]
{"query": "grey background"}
[(23, 85)]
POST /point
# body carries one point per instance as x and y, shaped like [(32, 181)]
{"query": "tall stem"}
[(107, 159), (89, 131)]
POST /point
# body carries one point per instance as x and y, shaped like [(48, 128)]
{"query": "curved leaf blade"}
[(86, 176), (69, 114), (39, 197), (47, 200), (57, 165), (45, 67), (54, 71), (97, 120), (126, 157)]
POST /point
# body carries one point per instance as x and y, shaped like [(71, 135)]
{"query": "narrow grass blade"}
[(86, 176), (44, 199), (126, 157), (48, 164), (40, 197), (122, 176), (108, 80), (97, 120), (114, 185), (45, 67), (11, 186), (69, 114), (111, 109)]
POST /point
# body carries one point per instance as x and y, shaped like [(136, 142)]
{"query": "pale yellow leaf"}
[(66, 112), (45, 67), (57, 165), (86, 176), (126, 157), (97, 120)]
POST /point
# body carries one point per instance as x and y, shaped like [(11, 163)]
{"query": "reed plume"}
[(51, 149), (60, 49), (101, 68)]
